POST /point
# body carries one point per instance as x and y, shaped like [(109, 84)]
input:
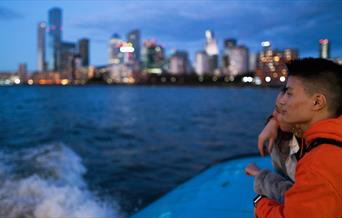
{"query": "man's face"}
[(296, 103)]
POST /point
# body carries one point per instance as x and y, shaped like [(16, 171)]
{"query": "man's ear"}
[(320, 102)]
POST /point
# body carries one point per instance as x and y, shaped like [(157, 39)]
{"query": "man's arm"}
[(272, 185), (267, 183), (311, 196)]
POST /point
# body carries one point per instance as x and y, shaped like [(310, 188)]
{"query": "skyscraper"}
[(212, 50), (83, 50), (134, 38), (229, 44), (179, 63), (54, 39), (235, 58), (202, 63), (153, 57), (324, 48), (68, 51), (238, 60), (41, 47), (22, 73), (121, 60), (252, 62), (115, 56)]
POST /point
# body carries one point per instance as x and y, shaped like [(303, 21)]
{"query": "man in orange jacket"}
[(312, 101)]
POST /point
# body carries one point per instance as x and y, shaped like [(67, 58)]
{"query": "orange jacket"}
[(317, 191)]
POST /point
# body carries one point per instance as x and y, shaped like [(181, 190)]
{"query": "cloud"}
[(297, 24), (8, 14)]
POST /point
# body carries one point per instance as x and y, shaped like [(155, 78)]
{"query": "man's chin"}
[(286, 119)]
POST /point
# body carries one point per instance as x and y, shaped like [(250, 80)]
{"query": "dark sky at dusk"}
[(176, 24)]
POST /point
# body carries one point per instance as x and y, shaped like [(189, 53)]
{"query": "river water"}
[(108, 151)]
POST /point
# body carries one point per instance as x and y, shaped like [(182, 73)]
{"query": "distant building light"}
[(268, 79), (131, 80), (276, 58), (257, 81), (17, 81), (30, 82), (118, 45), (125, 80), (126, 49), (64, 82), (173, 79), (282, 79), (208, 34), (265, 43), (247, 79), (155, 70), (115, 61)]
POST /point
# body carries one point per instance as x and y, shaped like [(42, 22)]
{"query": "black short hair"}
[(320, 75)]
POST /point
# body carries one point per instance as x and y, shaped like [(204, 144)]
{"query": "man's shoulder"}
[(324, 160), (325, 151)]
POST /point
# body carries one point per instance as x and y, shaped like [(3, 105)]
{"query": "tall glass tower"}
[(212, 50), (54, 39), (324, 48), (134, 38), (83, 50), (41, 46), (115, 56)]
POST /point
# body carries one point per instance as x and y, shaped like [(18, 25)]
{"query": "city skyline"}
[(177, 25)]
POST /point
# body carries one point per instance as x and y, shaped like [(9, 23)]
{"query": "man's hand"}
[(252, 169)]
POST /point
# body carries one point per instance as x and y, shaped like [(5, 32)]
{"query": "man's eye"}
[(283, 89)]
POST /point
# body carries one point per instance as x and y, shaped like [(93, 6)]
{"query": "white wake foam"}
[(48, 183)]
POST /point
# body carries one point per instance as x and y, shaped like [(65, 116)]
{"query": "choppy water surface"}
[(101, 151)]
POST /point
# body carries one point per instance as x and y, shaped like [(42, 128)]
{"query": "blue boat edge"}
[(221, 190)]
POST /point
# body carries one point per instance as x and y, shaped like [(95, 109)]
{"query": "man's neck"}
[(323, 115)]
